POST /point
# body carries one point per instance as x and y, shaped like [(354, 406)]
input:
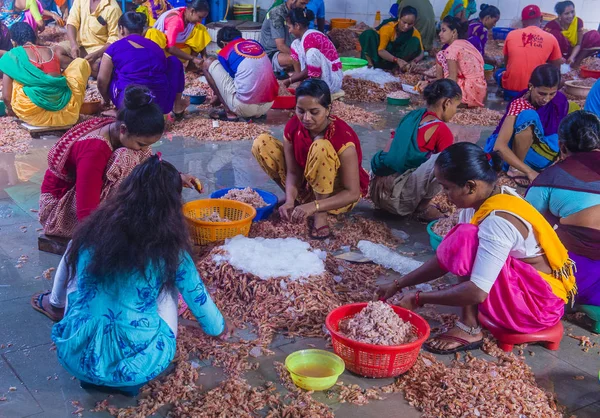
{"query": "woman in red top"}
[(92, 159), (318, 165), (403, 181)]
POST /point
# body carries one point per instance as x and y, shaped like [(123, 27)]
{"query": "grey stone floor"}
[(44, 389)]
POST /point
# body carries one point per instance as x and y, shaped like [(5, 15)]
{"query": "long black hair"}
[(140, 113), (317, 88), (545, 75), (140, 225), (454, 23), (580, 132), (464, 161), (302, 17), (21, 33), (134, 22), (441, 89)]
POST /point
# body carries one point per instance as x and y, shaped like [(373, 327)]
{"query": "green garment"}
[(425, 20), (386, 21), (406, 47), (45, 91), (404, 152)]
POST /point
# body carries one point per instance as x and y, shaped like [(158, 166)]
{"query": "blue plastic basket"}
[(434, 239), (500, 34), (261, 213)]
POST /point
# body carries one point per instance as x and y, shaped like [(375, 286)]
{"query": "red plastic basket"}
[(585, 72), (370, 360)]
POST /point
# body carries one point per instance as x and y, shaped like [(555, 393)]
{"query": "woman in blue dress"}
[(126, 262)]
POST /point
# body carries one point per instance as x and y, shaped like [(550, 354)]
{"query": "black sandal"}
[(465, 345)]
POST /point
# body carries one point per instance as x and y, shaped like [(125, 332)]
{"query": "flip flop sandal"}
[(36, 303), (465, 345), (314, 233)]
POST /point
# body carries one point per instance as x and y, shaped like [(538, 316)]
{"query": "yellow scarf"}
[(571, 33), (562, 280)]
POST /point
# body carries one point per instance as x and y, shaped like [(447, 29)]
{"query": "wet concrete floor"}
[(44, 389)]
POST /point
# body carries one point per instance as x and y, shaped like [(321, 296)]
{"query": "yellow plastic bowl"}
[(304, 363)]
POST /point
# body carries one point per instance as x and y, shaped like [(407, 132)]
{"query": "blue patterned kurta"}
[(115, 337)]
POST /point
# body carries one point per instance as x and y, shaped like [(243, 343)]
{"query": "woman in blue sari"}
[(527, 136), (136, 60)]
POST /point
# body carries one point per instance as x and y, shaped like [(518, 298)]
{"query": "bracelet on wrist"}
[(418, 299), (317, 205)]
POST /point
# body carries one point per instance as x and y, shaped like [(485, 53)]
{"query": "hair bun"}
[(137, 97), (483, 7)]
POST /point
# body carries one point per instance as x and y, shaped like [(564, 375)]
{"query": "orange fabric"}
[(60, 3), (527, 49), (49, 67)]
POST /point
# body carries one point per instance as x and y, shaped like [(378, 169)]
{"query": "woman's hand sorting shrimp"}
[(191, 182)]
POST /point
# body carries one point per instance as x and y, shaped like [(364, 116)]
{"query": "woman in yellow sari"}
[(568, 31), (180, 32), (33, 87)]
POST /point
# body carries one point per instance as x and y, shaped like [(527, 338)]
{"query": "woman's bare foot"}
[(214, 101)]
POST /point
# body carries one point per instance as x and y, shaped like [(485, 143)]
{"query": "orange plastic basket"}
[(371, 360), (203, 232)]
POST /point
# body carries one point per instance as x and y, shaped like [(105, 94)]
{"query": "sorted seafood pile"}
[(13, 138), (367, 91), (586, 82), (410, 78), (344, 40), (247, 195), (354, 115), (399, 94), (205, 130), (444, 225), (443, 204), (591, 63), (194, 91), (283, 90), (193, 81), (214, 217), (53, 35), (477, 116), (377, 324), (475, 388), (495, 49), (91, 93)]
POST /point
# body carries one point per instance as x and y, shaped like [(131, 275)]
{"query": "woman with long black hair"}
[(119, 280)]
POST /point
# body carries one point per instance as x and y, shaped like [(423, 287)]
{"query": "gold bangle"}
[(317, 205)]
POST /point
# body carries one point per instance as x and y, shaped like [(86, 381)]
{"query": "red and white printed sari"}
[(316, 53), (59, 214)]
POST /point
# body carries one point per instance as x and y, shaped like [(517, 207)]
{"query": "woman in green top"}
[(394, 44), (404, 181)]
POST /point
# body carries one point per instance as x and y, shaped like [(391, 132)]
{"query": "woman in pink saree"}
[(510, 263)]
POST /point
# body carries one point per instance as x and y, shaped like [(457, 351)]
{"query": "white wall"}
[(364, 10)]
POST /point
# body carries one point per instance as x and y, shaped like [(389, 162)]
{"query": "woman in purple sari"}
[(568, 195), (479, 28), (136, 60)]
